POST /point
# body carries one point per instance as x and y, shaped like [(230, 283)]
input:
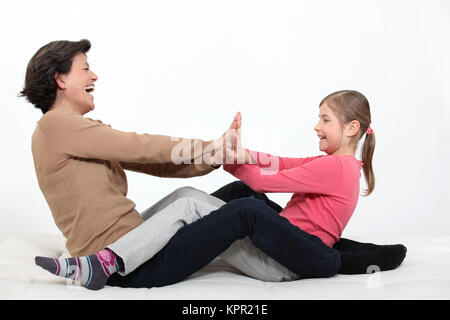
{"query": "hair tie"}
[(369, 130)]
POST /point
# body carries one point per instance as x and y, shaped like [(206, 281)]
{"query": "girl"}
[(325, 188)]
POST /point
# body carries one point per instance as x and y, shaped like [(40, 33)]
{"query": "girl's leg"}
[(242, 254), (357, 257), (183, 206), (197, 244), (238, 189)]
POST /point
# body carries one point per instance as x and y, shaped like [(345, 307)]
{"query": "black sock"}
[(360, 258)]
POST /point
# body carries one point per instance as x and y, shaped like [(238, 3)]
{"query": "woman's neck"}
[(62, 104)]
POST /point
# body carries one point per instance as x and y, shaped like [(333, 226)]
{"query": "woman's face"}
[(78, 84), (328, 130)]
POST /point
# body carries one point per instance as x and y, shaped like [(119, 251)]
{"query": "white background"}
[(183, 68)]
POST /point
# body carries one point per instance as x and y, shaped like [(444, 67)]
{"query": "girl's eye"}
[(86, 68)]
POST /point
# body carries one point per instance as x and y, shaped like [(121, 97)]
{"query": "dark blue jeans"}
[(197, 244)]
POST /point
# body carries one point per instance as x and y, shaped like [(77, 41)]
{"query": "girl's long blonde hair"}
[(349, 105)]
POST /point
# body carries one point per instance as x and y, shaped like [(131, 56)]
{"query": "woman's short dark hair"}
[(55, 57)]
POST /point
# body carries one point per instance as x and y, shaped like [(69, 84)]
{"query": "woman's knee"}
[(187, 191)]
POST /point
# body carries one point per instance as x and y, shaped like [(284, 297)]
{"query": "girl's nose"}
[(316, 128)]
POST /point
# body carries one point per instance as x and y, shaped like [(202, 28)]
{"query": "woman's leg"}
[(179, 193), (197, 244), (251, 261), (161, 222)]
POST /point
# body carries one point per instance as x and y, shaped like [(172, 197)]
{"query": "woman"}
[(80, 162)]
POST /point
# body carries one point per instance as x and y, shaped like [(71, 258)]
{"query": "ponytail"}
[(367, 151)]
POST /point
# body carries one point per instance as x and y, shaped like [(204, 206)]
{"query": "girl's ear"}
[(353, 127), (60, 81)]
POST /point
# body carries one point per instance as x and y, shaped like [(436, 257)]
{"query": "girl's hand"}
[(241, 154), (234, 151)]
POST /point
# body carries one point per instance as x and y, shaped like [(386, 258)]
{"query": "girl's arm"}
[(262, 160), (319, 176), (265, 160)]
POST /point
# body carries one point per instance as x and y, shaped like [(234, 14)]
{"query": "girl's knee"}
[(246, 202), (241, 186), (249, 207)]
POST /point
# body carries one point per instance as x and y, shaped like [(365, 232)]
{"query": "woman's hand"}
[(226, 141), (228, 148)]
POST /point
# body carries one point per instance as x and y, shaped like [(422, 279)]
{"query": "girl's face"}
[(335, 139), (328, 130), (78, 84)]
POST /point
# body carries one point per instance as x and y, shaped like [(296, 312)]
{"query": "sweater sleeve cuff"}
[(254, 155), (231, 168)]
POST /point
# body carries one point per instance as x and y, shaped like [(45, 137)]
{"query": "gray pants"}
[(184, 206)]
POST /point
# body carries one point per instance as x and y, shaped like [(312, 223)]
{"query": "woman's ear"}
[(59, 81)]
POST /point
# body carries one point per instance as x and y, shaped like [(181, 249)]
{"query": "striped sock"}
[(91, 272)]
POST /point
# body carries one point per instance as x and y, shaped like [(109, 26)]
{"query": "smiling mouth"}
[(89, 89)]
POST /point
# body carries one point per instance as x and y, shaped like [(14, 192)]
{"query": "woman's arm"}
[(73, 135), (169, 170)]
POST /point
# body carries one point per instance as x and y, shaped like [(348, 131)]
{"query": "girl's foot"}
[(383, 257)]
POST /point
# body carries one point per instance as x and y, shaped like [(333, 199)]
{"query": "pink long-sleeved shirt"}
[(325, 187)]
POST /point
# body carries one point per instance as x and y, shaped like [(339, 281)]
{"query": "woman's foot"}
[(91, 272)]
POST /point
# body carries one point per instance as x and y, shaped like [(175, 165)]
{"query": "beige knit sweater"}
[(80, 164)]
